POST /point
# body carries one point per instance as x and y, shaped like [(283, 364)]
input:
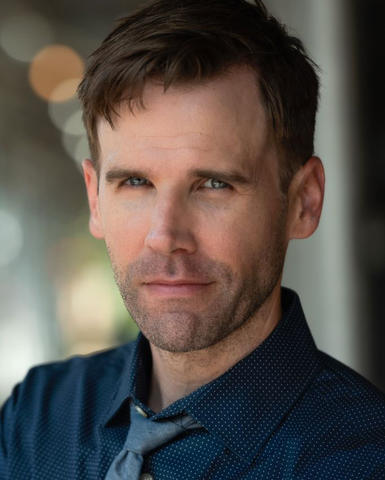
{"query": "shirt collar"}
[(256, 393), (133, 383)]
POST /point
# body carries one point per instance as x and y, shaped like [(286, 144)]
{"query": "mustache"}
[(178, 266)]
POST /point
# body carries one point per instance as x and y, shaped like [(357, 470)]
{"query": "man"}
[(200, 118)]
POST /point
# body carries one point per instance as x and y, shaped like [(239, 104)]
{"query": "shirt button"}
[(144, 414), (146, 476)]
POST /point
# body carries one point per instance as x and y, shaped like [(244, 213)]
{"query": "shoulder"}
[(345, 399), (52, 392), (337, 425), (64, 400), (340, 420), (78, 373), (345, 389), (81, 369)]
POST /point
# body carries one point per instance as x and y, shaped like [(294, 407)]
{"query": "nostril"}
[(168, 240), (162, 240)]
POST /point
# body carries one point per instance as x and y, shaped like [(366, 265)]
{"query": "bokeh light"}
[(55, 73), (82, 150), (21, 341), (64, 90), (74, 124), (11, 238), (76, 147), (22, 36), (85, 327), (60, 112)]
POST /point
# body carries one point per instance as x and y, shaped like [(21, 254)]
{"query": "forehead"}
[(221, 117)]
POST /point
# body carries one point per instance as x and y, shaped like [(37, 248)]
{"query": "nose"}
[(170, 229)]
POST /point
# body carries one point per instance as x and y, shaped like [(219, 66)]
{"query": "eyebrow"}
[(227, 176), (234, 177)]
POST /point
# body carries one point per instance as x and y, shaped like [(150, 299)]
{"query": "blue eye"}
[(215, 184), (136, 181)]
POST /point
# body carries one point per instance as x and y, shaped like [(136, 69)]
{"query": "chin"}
[(177, 343), (178, 332), (183, 340)]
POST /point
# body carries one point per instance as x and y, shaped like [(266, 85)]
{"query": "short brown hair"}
[(187, 41)]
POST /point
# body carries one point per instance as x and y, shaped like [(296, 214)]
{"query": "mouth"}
[(176, 288)]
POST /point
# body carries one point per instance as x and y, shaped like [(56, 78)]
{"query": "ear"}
[(306, 194), (91, 181)]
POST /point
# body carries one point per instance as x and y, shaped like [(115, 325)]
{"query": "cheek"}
[(124, 230), (235, 239), (242, 237)]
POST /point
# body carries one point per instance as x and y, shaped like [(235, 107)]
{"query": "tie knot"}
[(145, 434)]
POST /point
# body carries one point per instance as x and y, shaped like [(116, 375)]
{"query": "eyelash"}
[(225, 186), (125, 182)]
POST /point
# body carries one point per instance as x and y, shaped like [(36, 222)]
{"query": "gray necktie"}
[(143, 436)]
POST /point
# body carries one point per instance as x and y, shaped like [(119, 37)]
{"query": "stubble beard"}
[(184, 325)]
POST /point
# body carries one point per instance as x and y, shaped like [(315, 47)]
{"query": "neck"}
[(175, 375)]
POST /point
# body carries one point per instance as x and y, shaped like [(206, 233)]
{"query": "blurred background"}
[(57, 294)]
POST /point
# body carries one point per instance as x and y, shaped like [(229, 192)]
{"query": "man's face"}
[(190, 207)]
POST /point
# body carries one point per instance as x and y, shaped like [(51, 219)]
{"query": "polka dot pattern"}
[(286, 411)]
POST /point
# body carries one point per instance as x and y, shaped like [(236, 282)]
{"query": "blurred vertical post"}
[(323, 268)]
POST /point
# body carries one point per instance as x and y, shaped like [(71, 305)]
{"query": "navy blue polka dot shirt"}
[(286, 411)]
